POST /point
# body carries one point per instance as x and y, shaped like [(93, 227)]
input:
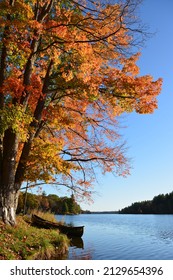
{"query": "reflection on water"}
[(76, 255), (77, 251), (77, 242), (122, 237)]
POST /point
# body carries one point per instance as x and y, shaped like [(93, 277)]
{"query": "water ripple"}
[(124, 237)]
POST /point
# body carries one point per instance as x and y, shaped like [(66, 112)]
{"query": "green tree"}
[(32, 201), (65, 209), (161, 204), (54, 202)]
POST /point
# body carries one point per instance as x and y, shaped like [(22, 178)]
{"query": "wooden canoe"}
[(66, 229)]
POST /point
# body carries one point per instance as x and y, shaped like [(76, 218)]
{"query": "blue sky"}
[(149, 137)]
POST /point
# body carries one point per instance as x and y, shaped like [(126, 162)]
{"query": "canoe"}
[(66, 229)]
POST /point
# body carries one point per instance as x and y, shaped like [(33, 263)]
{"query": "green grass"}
[(45, 215), (25, 242)]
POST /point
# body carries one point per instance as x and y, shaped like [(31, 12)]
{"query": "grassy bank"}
[(25, 242)]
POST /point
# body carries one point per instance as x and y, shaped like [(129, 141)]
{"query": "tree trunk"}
[(8, 189), (9, 201)]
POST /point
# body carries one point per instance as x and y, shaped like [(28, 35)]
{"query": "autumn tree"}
[(67, 71)]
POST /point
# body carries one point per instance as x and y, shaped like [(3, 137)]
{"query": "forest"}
[(160, 204), (52, 203)]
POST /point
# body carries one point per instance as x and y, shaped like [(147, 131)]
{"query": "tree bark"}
[(8, 188), (9, 201)]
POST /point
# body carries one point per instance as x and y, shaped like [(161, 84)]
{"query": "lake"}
[(122, 237)]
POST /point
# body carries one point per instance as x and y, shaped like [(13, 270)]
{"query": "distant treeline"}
[(99, 212), (161, 204), (53, 203)]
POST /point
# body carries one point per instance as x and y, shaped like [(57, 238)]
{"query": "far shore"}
[(100, 212)]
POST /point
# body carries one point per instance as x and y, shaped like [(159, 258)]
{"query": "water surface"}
[(123, 237)]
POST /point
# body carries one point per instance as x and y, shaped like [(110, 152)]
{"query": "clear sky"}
[(149, 137)]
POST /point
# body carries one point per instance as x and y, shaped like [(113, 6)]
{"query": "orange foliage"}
[(67, 64)]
